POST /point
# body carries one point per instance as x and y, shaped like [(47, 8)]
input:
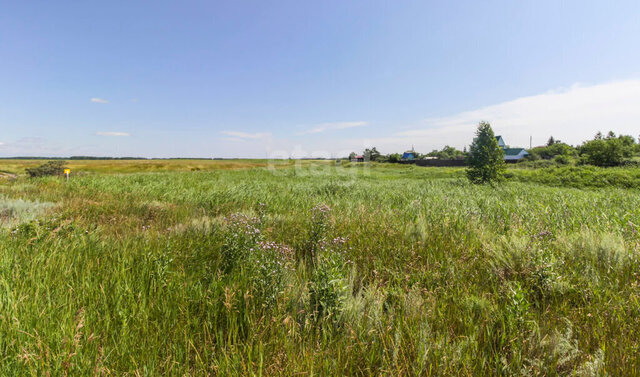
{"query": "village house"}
[(511, 154), (408, 156)]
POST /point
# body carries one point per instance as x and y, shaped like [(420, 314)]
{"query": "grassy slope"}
[(130, 274)]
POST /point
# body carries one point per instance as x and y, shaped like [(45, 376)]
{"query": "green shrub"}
[(328, 286), (241, 238), (607, 151), (48, 168), (562, 159), (550, 151)]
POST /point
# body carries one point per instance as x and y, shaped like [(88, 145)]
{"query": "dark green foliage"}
[(372, 154), (550, 151), (48, 168), (447, 153), (607, 151), (486, 158), (328, 286), (394, 157), (562, 159)]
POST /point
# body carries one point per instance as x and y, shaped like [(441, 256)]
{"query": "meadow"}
[(312, 268)]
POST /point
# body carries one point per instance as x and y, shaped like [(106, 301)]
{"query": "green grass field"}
[(182, 267)]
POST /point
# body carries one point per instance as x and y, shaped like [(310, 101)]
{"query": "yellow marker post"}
[(67, 172)]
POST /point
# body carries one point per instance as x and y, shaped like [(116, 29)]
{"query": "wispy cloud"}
[(1, 143), (233, 139), (571, 114), (238, 135), (99, 100), (322, 127), (32, 140), (112, 133)]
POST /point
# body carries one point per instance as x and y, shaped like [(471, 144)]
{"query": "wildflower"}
[(319, 212), (243, 223), (545, 234)]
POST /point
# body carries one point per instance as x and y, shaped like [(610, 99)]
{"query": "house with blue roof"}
[(408, 156)]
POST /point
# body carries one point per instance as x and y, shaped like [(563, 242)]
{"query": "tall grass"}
[(16, 211), (329, 271)]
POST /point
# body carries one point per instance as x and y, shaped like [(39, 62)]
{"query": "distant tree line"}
[(609, 150), (446, 153), (76, 158), (602, 150)]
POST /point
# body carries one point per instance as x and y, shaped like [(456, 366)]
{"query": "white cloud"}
[(1, 143), (233, 139), (238, 135), (103, 133), (333, 126), (572, 115), (99, 100)]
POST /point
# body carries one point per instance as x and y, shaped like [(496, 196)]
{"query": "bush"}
[(48, 168), (550, 151), (607, 151), (394, 157), (562, 159), (328, 286)]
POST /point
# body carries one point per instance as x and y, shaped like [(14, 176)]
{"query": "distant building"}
[(511, 154), (515, 154), (408, 156), (358, 158)]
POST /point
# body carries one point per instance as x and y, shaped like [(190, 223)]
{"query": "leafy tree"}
[(48, 168), (486, 158), (562, 159), (372, 154), (607, 151), (352, 155), (447, 153), (551, 141), (629, 144), (548, 152), (394, 157)]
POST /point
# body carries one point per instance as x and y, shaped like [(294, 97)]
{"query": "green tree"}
[(607, 151), (394, 157), (447, 153), (372, 154), (486, 158), (548, 152)]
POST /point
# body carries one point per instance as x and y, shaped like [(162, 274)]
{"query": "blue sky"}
[(302, 78)]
